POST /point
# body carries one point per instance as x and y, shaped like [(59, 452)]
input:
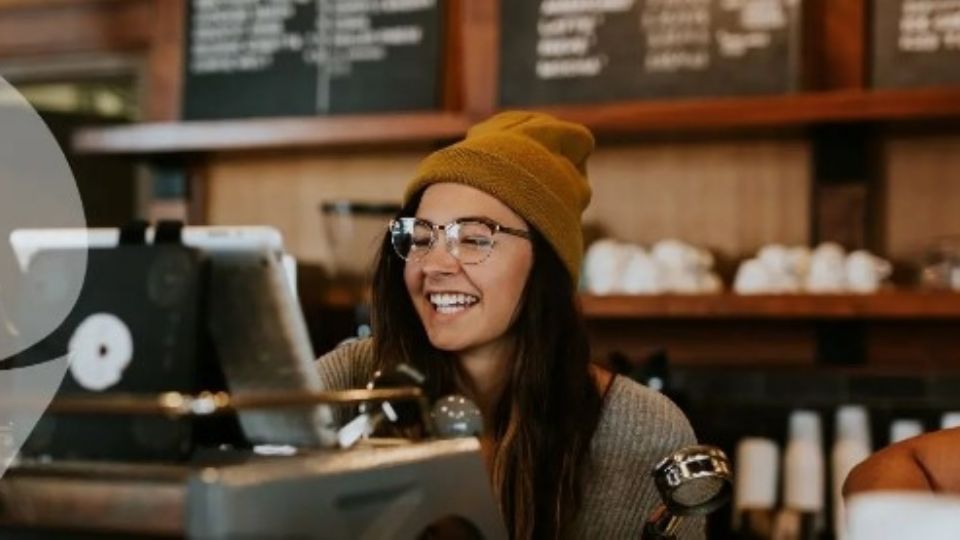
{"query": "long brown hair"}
[(549, 410)]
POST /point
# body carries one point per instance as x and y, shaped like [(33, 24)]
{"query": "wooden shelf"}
[(634, 117), (638, 117), (884, 305), (248, 134)]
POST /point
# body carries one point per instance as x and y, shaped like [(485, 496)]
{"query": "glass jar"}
[(941, 265), (354, 231)]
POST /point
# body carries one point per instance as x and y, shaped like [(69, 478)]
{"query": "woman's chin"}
[(450, 344), (454, 340)]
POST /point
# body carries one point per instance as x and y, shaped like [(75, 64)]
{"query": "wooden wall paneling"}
[(480, 20), (198, 193), (165, 62), (921, 195), (841, 214), (836, 44), (286, 189), (845, 180), (730, 196), (52, 28)]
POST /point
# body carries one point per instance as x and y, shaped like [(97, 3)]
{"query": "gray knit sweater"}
[(637, 427)]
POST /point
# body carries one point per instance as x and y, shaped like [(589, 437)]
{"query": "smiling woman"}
[(469, 307), (475, 286)]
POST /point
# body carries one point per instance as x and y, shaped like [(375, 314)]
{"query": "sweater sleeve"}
[(348, 366), (637, 429)]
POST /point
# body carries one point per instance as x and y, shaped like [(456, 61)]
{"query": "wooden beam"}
[(52, 28), (726, 115), (835, 44), (883, 305), (231, 135), (710, 114), (198, 194), (480, 56), (165, 62), (451, 70)]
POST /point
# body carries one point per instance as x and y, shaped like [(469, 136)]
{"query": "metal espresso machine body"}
[(213, 424), (393, 491)]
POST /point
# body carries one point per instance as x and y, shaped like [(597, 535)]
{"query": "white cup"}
[(752, 278), (865, 272), (641, 274), (604, 265), (827, 269)]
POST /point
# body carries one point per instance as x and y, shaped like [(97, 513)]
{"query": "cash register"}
[(191, 407)]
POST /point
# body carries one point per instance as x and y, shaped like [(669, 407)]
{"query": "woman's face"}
[(486, 295)]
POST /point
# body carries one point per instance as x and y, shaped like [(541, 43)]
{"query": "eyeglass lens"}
[(468, 241)]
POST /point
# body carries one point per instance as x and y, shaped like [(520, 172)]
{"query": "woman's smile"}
[(450, 303)]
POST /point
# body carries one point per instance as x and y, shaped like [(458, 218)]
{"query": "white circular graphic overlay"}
[(37, 190), (100, 349)]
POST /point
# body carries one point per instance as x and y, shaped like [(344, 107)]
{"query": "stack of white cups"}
[(755, 486), (803, 466), (904, 428), (851, 446), (950, 420)]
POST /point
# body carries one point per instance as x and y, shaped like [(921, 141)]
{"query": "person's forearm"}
[(939, 457), (927, 463), (889, 469)]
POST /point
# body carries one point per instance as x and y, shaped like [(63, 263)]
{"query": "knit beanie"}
[(533, 163)]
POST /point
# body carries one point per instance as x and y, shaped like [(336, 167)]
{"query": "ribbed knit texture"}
[(637, 428)]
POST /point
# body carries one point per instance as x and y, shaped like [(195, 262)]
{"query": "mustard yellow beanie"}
[(533, 163)]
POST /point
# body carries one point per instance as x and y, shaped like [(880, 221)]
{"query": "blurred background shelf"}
[(622, 118), (234, 135), (885, 305), (800, 109)]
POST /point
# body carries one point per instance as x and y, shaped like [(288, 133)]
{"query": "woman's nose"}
[(439, 259)]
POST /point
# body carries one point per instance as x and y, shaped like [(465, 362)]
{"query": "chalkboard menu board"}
[(250, 58), (568, 51), (916, 42)]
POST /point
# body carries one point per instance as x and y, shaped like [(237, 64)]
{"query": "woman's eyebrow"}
[(476, 218), (461, 218)]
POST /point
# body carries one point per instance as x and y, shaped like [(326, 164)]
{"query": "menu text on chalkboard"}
[(916, 43), (567, 51), (255, 58)]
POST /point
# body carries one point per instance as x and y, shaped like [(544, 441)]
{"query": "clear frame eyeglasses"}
[(470, 240)]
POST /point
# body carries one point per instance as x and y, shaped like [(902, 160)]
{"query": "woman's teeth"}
[(452, 303)]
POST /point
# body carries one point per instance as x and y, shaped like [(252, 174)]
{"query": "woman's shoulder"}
[(634, 415), (349, 365), (638, 427)]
